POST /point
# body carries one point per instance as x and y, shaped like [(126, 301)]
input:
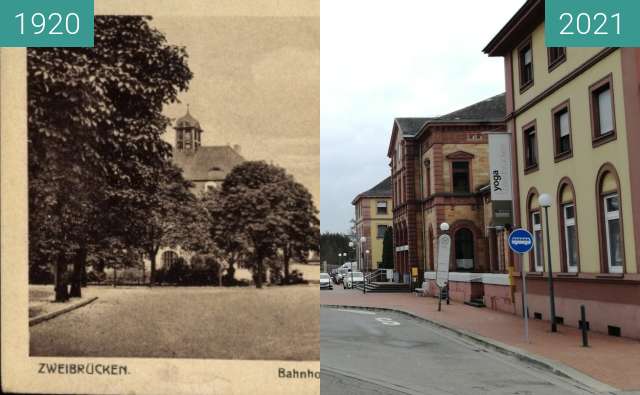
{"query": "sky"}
[(384, 59), (256, 84)]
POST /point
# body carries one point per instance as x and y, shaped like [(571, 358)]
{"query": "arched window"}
[(568, 227), (610, 220), (168, 258), (536, 257), (464, 247)]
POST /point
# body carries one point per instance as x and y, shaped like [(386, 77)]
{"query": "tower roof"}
[(187, 121)]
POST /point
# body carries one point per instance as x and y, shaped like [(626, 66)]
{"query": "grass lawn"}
[(273, 323)]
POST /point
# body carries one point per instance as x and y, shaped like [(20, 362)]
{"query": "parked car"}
[(352, 278), (325, 281)]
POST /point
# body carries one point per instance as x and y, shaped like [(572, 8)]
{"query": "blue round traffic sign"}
[(521, 241)]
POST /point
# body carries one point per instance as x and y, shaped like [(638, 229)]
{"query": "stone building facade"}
[(440, 173), (374, 214)]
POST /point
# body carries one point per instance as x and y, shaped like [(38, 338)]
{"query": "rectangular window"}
[(538, 257), (613, 234), (381, 231), (562, 131), (526, 66), (428, 178), (460, 177), (605, 111), (603, 123), (530, 148), (571, 238), (556, 56), (381, 207)]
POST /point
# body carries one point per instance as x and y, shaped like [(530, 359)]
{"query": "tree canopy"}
[(95, 121), (262, 213)]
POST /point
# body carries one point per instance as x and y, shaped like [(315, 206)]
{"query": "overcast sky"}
[(383, 59)]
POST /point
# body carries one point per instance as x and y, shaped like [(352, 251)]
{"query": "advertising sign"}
[(444, 252), (500, 178)]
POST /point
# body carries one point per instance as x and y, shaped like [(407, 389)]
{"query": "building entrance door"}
[(464, 250)]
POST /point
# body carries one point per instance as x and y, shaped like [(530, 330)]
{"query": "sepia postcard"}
[(160, 195)]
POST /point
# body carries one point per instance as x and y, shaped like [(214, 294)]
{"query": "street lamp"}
[(545, 201), (351, 245), (444, 227)]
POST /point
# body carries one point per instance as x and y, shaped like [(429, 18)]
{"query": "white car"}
[(325, 281), (352, 278)]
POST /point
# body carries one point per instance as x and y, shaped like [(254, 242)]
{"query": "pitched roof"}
[(382, 189), (410, 126), (207, 162), (493, 109)]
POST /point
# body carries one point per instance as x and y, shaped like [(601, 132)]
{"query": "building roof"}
[(410, 126), (187, 121), (207, 163), (491, 110), (381, 190), (525, 20)]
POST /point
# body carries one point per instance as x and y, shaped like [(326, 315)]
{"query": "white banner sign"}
[(500, 166), (444, 252)]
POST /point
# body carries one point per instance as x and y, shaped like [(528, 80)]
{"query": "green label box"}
[(46, 23), (592, 23)]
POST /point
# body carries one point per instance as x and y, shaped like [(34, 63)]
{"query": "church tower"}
[(188, 133)]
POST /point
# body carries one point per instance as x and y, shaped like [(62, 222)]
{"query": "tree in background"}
[(301, 231), (387, 249), (331, 244), (95, 121), (259, 210)]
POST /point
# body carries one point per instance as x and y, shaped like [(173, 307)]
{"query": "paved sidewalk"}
[(42, 307), (614, 361)]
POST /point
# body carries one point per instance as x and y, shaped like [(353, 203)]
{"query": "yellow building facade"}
[(573, 114), (373, 214)]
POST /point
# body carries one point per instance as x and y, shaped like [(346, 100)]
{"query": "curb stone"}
[(54, 314), (554, 367)]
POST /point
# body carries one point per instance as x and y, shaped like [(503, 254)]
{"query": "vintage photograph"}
[(173, 183)]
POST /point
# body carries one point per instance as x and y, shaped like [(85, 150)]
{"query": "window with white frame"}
[(613, 233), (538, 257), (570, 237), (381, 207)]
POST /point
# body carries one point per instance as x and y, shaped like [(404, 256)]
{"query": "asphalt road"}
[(365, 352), (274, 323)]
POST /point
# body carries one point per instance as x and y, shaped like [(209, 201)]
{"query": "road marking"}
[(357, 311), (387, 321)]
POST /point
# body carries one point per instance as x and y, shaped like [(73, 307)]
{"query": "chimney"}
[(237, 148)]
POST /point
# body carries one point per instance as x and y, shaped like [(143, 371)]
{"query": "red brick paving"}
[(611, 360)]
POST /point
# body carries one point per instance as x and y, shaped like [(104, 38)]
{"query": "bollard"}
[(583, 326), (447, 293)]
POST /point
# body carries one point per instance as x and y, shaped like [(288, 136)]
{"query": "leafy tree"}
[(387, 249), (301, 232), (257, 212), (95, 121), (166, 222), (331, 244)]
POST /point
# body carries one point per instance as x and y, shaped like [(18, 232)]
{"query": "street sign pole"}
[(525, 305), (521, 242)]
